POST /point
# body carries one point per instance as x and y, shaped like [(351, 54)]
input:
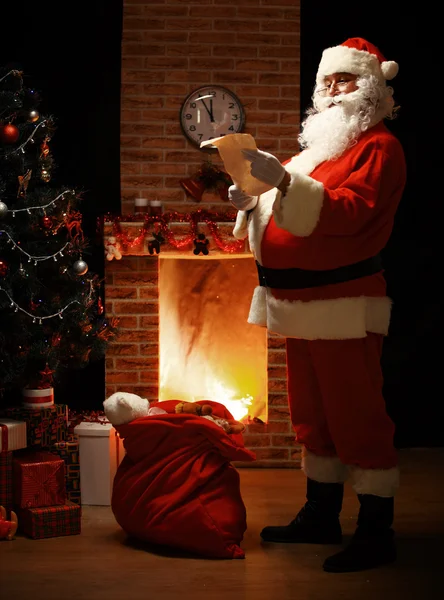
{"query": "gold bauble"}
[(45, 175), (33, 116)]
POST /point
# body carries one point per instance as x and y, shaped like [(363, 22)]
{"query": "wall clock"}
[(209, 112)]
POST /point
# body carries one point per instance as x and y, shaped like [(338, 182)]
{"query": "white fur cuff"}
[(325, 469), (258, 308), (379, 482), (299, 210), (240, 230)]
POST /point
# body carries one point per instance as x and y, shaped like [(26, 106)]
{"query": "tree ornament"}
[(33, 116), (209, 178), (3, 268), (23, 183), (9, 133), (3, 210), (156, 241), (7, 528), (46, 378), (201, 244), (100, 306), (112, 248), (45, 175), (80, 267), (46, 222), (44, 148)]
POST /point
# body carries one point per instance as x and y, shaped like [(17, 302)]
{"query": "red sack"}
[(176, 487)]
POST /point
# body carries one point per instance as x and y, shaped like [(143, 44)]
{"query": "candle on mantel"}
[(140, 206), (155, 208)]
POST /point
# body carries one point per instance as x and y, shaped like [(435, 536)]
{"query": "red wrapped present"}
[(6, 480), (45, 426), (38, 480), (51, 521), (12, 434), (69, 452)]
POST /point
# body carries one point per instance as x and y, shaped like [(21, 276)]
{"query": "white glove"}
[(265, 166), (240, 200)]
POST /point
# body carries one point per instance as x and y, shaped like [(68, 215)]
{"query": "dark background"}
[(412, 356), (72, 55)]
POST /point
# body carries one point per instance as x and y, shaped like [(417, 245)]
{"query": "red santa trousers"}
[(336, 402)]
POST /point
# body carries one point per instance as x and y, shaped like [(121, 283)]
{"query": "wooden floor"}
[(100, 565)]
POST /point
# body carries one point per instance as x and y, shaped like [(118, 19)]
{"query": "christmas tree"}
[(51, 309)]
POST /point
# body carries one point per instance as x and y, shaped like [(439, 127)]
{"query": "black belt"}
[(294, 279)]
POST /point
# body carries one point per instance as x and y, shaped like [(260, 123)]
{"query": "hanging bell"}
[(193, 188)]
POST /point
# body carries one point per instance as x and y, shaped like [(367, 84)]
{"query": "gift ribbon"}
[(39, 399)]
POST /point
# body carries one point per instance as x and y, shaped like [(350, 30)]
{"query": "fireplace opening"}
[(207, 349)]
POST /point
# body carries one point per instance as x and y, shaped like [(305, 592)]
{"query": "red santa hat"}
[(356, 56)]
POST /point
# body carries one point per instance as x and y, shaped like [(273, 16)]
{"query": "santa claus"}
[(316, 237)]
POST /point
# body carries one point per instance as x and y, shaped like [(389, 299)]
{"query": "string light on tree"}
[(31, 258)]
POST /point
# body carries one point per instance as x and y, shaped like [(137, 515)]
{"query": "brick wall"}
[(169, 48)]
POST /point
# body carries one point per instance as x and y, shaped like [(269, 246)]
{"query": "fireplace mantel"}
[(133, 238), (132, 295)]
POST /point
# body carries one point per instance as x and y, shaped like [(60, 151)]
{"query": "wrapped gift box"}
[(101, 451), (68, 451), (44, 426), (12, 434), (6, 496), (38, 480), (51, 521)]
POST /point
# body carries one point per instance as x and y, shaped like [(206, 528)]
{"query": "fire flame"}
[(208, 351)]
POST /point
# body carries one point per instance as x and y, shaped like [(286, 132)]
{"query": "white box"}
[(100, 453), (12, 434)]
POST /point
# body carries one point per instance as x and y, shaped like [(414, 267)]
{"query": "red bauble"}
[(9, 134), (3, 268), (46, 222)]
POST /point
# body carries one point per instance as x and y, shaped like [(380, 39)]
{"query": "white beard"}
[(334, 124)]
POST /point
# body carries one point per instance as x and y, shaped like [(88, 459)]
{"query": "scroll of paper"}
[(236, 165)]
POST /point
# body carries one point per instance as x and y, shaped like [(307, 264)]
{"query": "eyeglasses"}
[(341, 86)]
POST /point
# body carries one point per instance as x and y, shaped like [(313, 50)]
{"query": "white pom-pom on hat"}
[(389, 69)]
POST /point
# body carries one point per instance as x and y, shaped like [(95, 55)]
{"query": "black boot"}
[(318, 520), (372, 544)]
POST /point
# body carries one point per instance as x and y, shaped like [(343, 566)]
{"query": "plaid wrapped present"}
[(45, 426), (69, 452), (6, 480), (12, 434), (38, 480), (51, 521)]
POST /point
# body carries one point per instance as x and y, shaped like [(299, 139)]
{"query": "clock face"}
[(210, 112)]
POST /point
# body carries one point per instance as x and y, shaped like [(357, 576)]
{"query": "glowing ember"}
[(208, 351)]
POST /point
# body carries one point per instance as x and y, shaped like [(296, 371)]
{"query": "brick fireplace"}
[(132, 360)]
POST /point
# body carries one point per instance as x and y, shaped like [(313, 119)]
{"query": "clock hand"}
[(210, 112)]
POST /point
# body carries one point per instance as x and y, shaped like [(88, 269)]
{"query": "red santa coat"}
[(333, 214)]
